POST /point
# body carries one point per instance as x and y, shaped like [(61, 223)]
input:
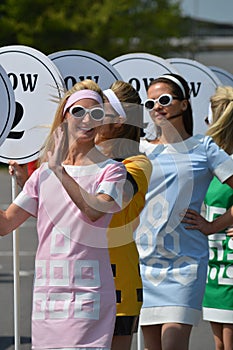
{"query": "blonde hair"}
[(222, 127), (59, 117)]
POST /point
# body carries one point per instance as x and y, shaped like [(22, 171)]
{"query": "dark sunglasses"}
[(163, 100), (96, 113)]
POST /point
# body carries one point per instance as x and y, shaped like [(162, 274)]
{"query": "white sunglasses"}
[(79, 112), (164, 100)]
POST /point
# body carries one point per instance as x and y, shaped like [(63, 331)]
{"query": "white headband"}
[(115, 102), (176, 81), (210, 114)]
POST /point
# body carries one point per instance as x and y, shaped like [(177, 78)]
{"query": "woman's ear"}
[(184, 105), (119, 121)]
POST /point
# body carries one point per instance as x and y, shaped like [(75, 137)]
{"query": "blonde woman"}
[(73, 194)]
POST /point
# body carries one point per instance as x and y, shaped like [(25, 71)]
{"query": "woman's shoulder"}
[(205, 139), (139, 162), (200, 140), (208, 142), (141, 157), (146, 146), (113, 165)]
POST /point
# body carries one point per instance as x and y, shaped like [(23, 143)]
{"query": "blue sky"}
[(220, 11)]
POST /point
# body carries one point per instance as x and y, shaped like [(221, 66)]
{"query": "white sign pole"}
[(16, 275), (140, 342)]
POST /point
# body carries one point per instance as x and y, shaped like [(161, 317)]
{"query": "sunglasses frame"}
[(87, 110), (171, 98)]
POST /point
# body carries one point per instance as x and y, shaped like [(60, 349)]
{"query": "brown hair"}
[(188, 113), (120, 146)]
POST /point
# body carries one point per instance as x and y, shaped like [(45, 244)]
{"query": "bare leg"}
[(175, 336), (152, 337), (169, 336), (228, 336), (121, 342), (217, 329)]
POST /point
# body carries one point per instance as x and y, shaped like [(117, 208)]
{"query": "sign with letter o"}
[(38, 86), (77, 65), (139, 69), (202, 82), (7, 103), (225, 77)]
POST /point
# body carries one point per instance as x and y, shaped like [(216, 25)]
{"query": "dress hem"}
[(169, 314), (217, 315)]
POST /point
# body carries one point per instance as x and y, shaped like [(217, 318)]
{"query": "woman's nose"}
[(157, 105), (86, 117)]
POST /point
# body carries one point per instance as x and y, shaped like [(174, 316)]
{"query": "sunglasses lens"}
[(78, 111), (149, 104), (97, 114), (165, 100)]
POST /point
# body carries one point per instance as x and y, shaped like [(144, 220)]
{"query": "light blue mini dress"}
[(173, 260)]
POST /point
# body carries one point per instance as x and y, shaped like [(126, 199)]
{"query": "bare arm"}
[(93, 206), (197, 222), (12, 218), (229, 181)]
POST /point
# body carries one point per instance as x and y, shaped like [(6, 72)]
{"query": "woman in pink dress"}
[(73, 194)]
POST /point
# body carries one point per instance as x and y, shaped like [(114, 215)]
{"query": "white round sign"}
[(77, 65), (7, 103), (140, 69), (37, 85), (225, 77), (202, 82)]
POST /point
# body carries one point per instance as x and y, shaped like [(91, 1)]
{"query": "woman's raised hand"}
[(55, 157)]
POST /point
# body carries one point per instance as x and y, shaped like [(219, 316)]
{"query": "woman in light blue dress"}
[(173, 260)]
